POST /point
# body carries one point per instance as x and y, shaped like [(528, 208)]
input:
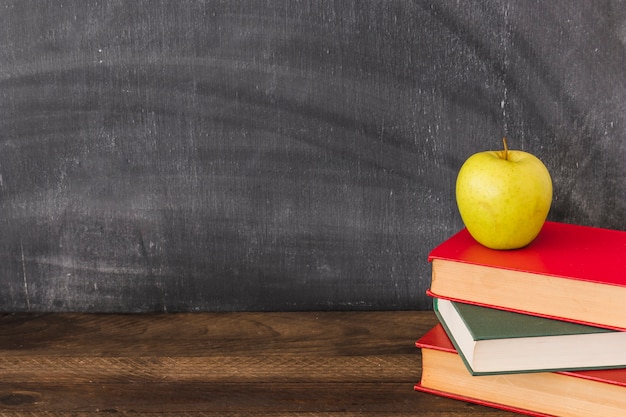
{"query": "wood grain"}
[(226, 364)]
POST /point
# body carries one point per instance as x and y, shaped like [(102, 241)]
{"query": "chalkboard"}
[(299, 155)]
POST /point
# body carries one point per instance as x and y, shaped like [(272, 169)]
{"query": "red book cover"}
[(418, 387), (561, 250), (437, 339), (569, 272)]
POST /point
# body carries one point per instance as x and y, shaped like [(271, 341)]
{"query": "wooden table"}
[(218, 364)]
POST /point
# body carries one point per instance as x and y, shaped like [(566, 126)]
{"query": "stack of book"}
[(539, 330)]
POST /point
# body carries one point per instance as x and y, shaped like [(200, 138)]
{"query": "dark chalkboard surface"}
[(244, 155)]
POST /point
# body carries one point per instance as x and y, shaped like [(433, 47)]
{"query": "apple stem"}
[(506, 149)]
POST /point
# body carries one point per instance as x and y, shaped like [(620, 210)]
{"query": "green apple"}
[(504, 197)]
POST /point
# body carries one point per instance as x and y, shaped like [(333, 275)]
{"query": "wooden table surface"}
[(218, 364)]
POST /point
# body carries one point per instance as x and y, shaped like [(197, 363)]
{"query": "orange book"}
[(569, 272), (573, 394)]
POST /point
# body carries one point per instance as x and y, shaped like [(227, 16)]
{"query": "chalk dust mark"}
[(506, 40), (24, 275)]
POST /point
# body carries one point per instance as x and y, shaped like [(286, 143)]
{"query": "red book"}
[(569, 272), (576, 394)]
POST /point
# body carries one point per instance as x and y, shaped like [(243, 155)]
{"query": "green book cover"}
[(492, 341), (488, 323)]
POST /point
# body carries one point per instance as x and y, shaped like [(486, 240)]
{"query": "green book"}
[(492, 341)]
